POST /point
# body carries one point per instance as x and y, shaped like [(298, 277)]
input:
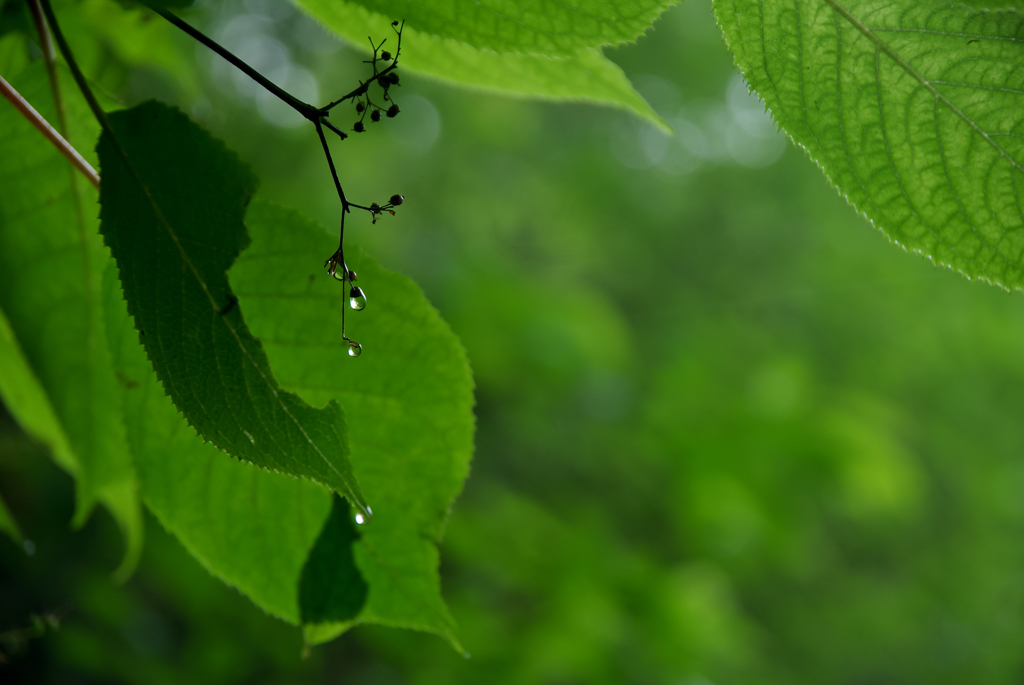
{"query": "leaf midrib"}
[(868, 33)]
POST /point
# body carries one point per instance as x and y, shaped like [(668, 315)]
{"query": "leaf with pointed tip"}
[(56, 375), (584, 76), (264, 532), (538, 27), (409, 400), (250, 527), (172, 203), (915, 111)]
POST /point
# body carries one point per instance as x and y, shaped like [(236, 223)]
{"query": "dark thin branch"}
[(330, 162), (334, 128), (83, 85), (50, 57), (363, 86), (308, 111)]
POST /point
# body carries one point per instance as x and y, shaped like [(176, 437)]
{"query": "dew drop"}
[(354, 348), (365, 517), (356, 299), (339, 273)]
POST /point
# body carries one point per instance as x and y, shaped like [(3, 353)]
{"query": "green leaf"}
[(127, 33), (913, 111), (408, 398), (57, 377), (171, 212), (258, 530), (8, 524), (538, 27), (250, 527), (584, 76), (331, 588), (15, 16), (26, 399)]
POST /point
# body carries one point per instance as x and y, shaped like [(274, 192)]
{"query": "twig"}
[(306, 110), (50, 57), (51, 134), (79, 77)]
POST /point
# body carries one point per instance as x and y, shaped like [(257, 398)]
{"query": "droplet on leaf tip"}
[(354, 348)]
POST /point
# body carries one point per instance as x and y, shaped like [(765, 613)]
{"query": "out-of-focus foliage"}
[(8, 525), (912, 111), (726, 433), (48, 293)]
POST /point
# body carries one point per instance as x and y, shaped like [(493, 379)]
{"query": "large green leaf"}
[(408, 400), (584, 76), (535, 27), (250, 527), (914, 111), (56, 376), (172, 206), (258, 530)]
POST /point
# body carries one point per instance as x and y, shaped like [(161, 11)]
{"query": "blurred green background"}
[(727, 433)]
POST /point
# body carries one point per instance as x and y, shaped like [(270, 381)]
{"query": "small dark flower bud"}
[(394, 23), (397, 199), (393, 78), (375, 208), (375, 115), (351, 275), (359, 128), (393, 111), (386, 56), (360, 106)]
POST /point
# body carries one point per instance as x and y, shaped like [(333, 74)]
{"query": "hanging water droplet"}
[(356, 299), (339, 273), (365, 517), (354, 348)]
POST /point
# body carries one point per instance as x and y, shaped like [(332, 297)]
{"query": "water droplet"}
[(356, 299), (354, 348), (339, 273), (364, 517)]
